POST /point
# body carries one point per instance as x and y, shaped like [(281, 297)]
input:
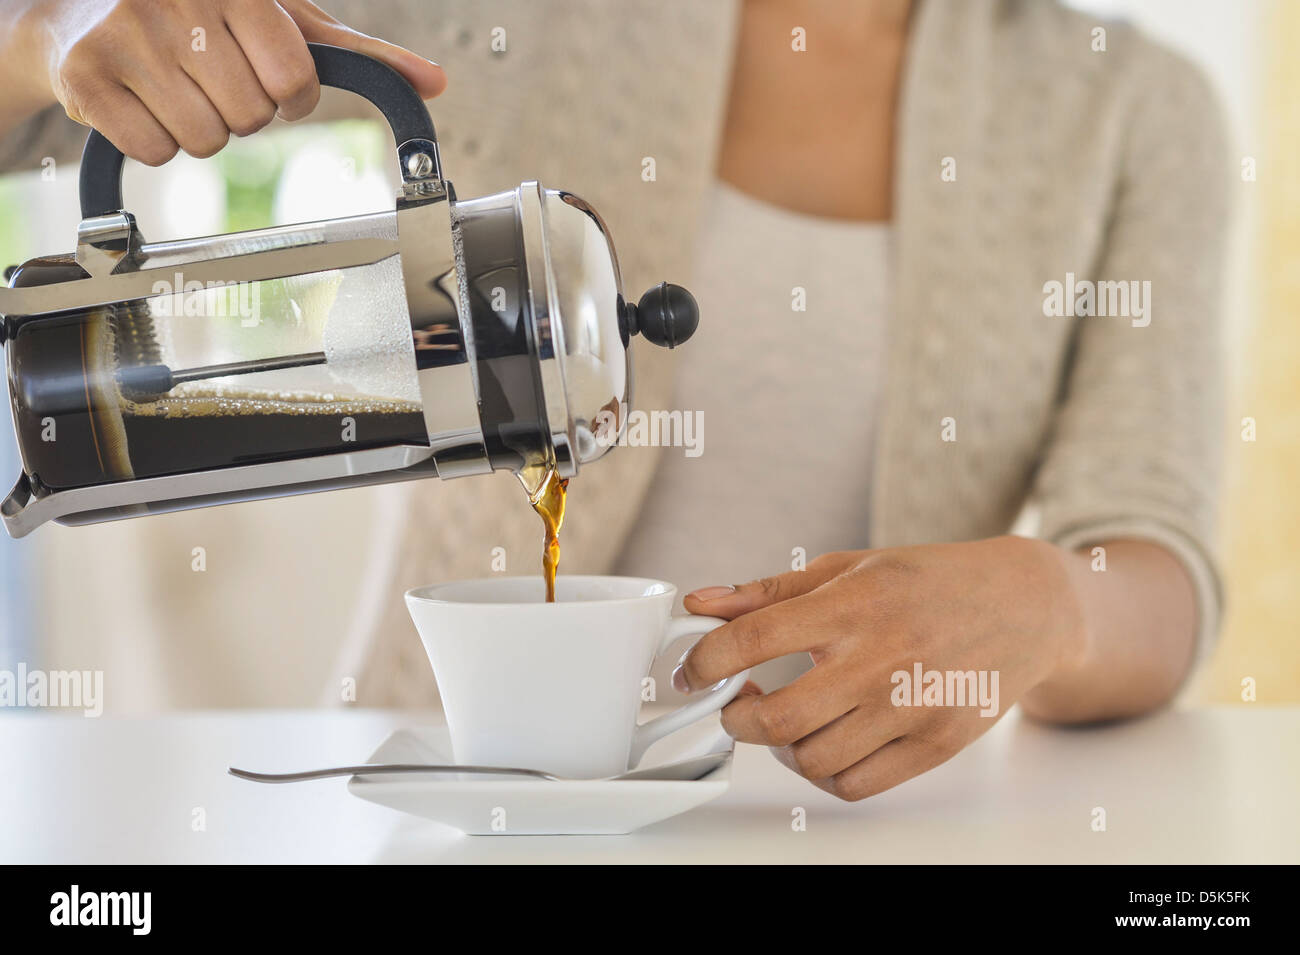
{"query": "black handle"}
[(101, 161)]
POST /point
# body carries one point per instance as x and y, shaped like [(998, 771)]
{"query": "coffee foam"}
[(194, 401)]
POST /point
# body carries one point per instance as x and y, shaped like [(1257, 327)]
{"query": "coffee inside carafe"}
[(198, 381)]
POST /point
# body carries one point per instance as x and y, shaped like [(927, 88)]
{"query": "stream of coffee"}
[(546, 493)]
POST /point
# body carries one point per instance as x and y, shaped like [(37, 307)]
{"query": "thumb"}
[(731, 601), (317, 26)]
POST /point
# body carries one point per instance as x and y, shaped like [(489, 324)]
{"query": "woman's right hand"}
[(155, 76)]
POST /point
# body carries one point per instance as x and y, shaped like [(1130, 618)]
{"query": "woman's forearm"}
[(23, 77), (1140, 620), (155, 78)]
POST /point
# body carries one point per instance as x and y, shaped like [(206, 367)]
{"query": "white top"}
[(785, 370), (1022, 793)]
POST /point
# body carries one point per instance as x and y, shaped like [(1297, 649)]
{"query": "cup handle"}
[(716, 698)]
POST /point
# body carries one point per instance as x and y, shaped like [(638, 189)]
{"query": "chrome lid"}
[(583, 324), (577, 302)]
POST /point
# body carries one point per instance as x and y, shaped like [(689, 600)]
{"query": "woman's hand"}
[(1006, 607), (155, 76)]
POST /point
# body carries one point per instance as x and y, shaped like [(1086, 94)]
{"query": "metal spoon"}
[(696, 767)]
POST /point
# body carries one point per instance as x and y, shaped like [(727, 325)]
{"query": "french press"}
[(445, 338)]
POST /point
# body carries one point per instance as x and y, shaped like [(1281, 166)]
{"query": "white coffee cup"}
[(557, 686)]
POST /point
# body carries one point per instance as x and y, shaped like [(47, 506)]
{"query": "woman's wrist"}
[(1068, 632), (1133, 640)]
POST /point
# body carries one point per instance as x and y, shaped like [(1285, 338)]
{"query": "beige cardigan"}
[(1108, 165)]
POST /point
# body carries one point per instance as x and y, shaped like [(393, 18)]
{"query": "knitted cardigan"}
[(1024, 155)]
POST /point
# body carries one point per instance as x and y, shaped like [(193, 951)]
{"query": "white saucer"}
[(504, 806)]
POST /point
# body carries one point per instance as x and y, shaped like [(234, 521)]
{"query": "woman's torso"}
[(777, 394), (793, 267)]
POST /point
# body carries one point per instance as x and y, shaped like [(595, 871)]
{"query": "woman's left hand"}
[(1003, 608)]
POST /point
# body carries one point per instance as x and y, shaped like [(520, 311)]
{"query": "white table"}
[(1218, 785)]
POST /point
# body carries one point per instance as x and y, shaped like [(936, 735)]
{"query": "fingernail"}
[(712, 593), (679, 680)]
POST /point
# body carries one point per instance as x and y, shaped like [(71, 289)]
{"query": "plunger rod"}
[(157, 380)]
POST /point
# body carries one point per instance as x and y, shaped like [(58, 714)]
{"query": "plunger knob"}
[(666, 315)]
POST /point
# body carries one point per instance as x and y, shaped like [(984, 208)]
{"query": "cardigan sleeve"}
[(49, 133), (1136, 446)]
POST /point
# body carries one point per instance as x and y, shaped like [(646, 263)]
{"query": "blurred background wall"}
[(1262, 525), (306, 172)]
